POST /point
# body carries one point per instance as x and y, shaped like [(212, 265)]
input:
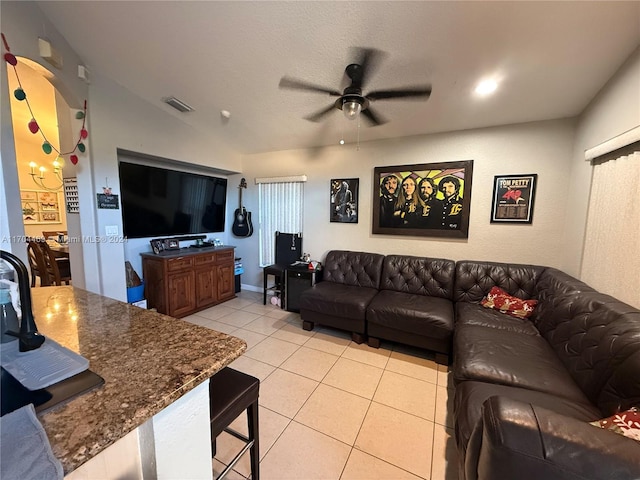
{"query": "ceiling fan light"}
[(351, 109)]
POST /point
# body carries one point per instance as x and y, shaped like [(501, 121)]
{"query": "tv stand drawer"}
[(180, 263), (224, 257), (204, 258)]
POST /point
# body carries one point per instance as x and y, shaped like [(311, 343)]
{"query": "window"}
[(281, 206), (612, 239)]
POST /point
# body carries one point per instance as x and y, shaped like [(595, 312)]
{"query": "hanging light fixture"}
[(38, 174), (351, 107)]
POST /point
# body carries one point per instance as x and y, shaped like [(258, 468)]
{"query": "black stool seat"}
[(230, 393)]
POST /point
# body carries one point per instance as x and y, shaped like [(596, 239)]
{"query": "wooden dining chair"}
[(37, 264), (58, 269)]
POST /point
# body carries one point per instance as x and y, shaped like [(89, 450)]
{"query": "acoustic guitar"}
[(242, 218)]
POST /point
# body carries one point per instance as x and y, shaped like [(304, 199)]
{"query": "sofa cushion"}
[(359, 269), (337, 300), (552, 286), (594, 335), (521, 440), (508, 358), (474, 280), (470, 395), (625, 423), (419, 314), (474, 314), (418, 275), (501, 301)]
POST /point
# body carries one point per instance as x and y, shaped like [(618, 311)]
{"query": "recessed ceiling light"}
[(486, 87)]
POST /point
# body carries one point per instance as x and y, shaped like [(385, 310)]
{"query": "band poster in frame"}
[(426, 199), (513, 198), (344, 200)]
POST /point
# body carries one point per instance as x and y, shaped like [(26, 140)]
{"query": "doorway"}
[(40, 174)]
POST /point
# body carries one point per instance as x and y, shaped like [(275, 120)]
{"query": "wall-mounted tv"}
[(159, 202)]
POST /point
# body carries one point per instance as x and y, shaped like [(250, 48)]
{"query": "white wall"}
[(544, 148), (122, 120), (613, 111)]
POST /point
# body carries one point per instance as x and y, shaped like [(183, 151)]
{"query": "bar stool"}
[(231, 392), (288, 250)]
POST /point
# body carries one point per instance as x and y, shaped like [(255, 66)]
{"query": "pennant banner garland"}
[(33, 126)]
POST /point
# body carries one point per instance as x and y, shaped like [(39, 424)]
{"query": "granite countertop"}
[(148, 361)]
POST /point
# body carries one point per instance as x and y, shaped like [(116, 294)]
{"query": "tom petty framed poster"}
[(513, 198)]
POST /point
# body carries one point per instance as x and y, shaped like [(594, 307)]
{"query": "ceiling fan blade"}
[(373, 118), (316, 117), (368, 59), (286, 82), (422, 92)]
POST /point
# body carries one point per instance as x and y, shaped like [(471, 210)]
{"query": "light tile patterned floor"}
[(331, 409)]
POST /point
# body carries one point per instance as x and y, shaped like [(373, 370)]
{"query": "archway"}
[(43, 202)]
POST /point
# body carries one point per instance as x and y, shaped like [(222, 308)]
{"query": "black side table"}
[(297, 279)]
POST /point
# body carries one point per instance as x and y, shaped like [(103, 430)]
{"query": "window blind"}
[(611, 255), (281, 206)]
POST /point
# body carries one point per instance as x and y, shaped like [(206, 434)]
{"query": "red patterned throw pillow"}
[(500, 300), (625, 423)]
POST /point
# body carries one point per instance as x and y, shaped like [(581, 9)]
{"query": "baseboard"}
[(250, 288)]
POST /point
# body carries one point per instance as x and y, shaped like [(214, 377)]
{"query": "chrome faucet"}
[(28, 336)]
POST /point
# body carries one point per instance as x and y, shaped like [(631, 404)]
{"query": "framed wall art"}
[(344, 200), (513, 197), (39, 206), (427, 199)]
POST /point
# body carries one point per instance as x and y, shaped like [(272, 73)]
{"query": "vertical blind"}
[(280, 210), (611, 258)]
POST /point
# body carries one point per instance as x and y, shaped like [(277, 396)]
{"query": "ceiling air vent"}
[(177, 104)]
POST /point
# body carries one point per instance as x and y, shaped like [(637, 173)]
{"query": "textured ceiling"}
[(551, 59)]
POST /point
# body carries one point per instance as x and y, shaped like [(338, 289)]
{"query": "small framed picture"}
[(157, 246), (344, 200), (171, 244), (513, 198), (52, 217)]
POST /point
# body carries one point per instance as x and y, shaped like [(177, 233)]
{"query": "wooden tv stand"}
[(185, 281)]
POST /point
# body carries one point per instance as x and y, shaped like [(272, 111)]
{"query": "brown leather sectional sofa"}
[(398, 297), (350, 280), (525, 389)]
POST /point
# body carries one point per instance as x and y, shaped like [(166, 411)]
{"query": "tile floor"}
[(331, 409)]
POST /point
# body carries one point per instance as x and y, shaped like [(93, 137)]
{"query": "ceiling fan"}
[(351, 101)]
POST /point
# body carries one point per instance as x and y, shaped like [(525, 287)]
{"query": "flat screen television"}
[(159, 202)]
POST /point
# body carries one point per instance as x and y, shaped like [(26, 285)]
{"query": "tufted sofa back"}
[(418, 275), (552, 288), (358, 269), (474, 280), (598, 339)]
